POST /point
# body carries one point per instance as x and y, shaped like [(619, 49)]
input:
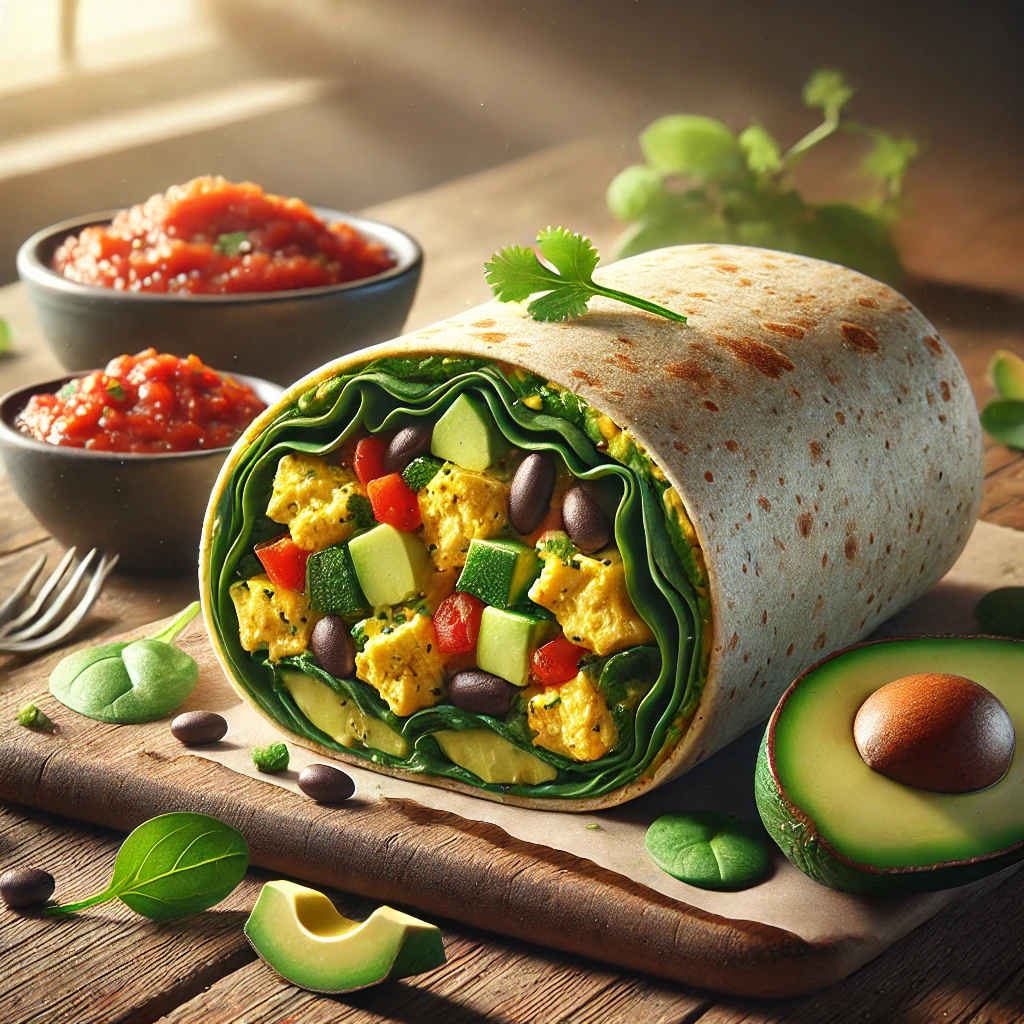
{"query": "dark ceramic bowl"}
[(149, 508), (279, 336)]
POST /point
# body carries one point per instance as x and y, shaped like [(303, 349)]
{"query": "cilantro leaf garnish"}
[(515, 273), (234, 244)]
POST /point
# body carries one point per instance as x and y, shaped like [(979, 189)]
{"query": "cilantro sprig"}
[(515, 273)]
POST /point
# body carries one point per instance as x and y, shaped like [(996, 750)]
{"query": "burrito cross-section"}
[(559, 564)]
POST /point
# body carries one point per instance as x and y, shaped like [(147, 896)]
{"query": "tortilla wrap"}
[(821, 435)]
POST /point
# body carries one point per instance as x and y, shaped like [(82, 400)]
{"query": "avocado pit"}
[(935, 731)]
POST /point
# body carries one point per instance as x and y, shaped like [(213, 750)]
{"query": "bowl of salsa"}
[(124, 458), (258, 283)]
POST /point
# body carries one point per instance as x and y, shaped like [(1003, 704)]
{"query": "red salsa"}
[(211, 237), (151, 402)]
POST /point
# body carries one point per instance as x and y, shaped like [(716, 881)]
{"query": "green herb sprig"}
[(1003, 417), (515, 273), (703, 183), (272, 758)]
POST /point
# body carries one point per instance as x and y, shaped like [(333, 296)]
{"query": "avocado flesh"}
[(865, 817), (339, 717), (492, 758), (302, 936)]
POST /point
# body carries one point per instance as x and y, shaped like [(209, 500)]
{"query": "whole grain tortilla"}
[(822, 436)]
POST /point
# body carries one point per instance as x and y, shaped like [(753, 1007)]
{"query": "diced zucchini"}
[(507, 641), (421, 471), (332, 585), (467, 435), (390, 564), (499, 572)]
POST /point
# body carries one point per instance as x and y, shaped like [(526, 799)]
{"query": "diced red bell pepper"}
[(457, 623), (557, 662), (284, 562), (368, 459), (394, 502)]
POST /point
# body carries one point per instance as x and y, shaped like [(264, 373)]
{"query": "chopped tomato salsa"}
[(211, 237), (150, 402)]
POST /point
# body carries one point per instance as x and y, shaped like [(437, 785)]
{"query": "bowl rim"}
[(33, 270), (18, 397)]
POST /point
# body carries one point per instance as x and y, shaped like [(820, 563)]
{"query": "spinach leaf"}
[(173, 865), (129, 682)]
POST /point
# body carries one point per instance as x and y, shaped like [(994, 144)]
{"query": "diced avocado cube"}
[(421, 471), (467, 435), (332, 584), (499, 572), (507, 641), (389, 563)]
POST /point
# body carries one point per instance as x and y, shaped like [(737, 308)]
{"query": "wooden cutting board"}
[(399, 851)]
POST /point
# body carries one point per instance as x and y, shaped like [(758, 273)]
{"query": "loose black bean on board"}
[(194, 728), (585, 520), (334, 647), (326, 784), (481, 693), (25, 887), (409, 443), (529, 495)]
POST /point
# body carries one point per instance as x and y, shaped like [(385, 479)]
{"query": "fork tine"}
[(57, 606), (55, 636), (23, 587), (47, 588)]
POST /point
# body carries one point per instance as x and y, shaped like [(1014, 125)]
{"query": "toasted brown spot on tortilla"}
[(929, 398), (840, 418), (860, 339), (764, 617), (697, 295), (727, 268), (764, 358), (594, 382), (818, 605), (946, 393), (816, 450), (680, 447), (824, 559), (732, 446), (850, 547), (694, 372), (484, 323), (934, 344), (789, 650), (733, 641), (789, 330), (707, 476), (625, 341), (764, 503), (865, 300), (711, 407), (804, 523), (820, 642), (492, 337), (621, 359)]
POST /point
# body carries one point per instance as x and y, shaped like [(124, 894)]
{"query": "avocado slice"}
[(507, 640), (332, 584), (301, 935), (467, 435), (492, 758), (389, 563), (1006, 371), (857, 830), (339, 716), (499, 572)]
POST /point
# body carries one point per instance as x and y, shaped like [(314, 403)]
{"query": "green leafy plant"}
[(703, 183), (128, 682), (272, 758), (1001, 612), (173, 865), (515, 274), (1003, 417)]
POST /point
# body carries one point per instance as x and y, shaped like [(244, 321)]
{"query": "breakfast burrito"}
[(558, 564)]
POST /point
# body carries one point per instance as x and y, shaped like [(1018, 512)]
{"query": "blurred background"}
[(347, 103)]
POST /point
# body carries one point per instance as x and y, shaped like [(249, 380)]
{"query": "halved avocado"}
[(857, 830), (302, 936)]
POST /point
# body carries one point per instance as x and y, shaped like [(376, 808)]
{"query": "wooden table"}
[(110, 966)]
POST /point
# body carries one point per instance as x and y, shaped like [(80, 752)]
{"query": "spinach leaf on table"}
[(173, 865), (128, 682)]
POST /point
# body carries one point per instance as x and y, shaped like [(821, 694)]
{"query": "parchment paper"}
[(994, 557)]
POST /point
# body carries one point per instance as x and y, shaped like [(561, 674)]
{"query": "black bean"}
[(194, 728), (326, 784), (529, 494), (584, 519), (25, 887), (481, 693), (408, 444), (334, 647)]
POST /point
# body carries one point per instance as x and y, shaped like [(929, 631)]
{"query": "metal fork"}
[(51, 616)]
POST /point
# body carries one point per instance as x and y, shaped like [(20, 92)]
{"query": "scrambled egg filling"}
[(573, 720), (312, 498), (590, 601), (272, 617), (459, 506), (400, 660)]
